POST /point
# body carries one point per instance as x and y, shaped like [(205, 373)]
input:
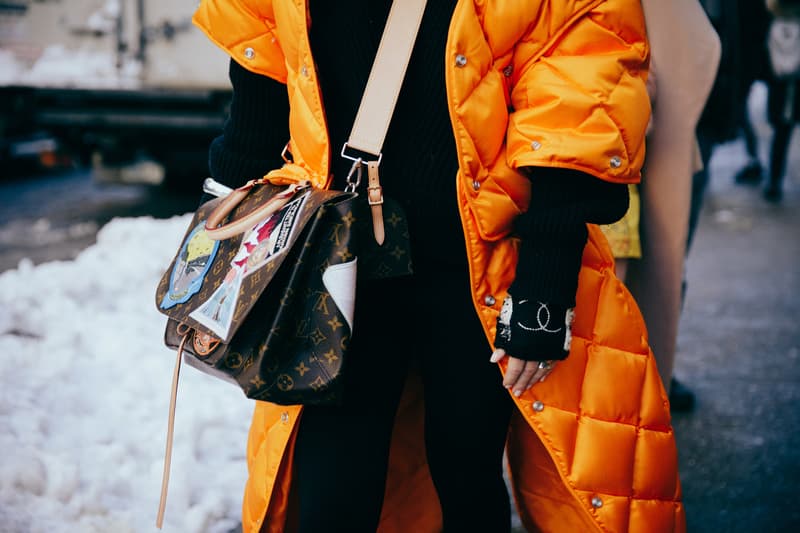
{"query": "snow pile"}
[(84, 391)]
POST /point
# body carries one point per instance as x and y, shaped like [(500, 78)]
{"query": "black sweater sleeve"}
[(255, 132), (534, 322), (553, 229)]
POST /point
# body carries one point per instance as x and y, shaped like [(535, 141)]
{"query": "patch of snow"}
[(84, 391)]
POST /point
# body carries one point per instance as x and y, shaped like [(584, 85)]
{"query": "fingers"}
[(497, 355), (514, 372), (521, 375), (526, 378)]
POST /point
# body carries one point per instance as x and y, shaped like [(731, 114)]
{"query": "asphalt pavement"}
[(738, 350), (53, 216)]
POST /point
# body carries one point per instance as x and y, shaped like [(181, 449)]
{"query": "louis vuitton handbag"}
[(261, 292)]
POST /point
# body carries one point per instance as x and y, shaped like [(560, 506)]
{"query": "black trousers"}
[(341, 454)]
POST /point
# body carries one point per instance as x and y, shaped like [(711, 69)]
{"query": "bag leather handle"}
[(246, 222)]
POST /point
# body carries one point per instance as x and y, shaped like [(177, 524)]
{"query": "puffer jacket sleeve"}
[(579, 100), (246, 30)]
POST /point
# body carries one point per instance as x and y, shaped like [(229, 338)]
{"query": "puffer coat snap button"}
[(461, 60), (249, 53)]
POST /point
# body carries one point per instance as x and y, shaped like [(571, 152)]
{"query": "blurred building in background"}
[(129, 87)]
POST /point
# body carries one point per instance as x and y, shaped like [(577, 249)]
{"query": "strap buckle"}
[(377, 188), (356, 157), (357, 169)]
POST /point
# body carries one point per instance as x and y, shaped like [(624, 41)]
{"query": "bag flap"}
[(212, 285)]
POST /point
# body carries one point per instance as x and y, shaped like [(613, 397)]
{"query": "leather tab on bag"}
[(375, 201)]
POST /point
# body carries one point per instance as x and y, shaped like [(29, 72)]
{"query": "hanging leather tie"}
[(375, 200)]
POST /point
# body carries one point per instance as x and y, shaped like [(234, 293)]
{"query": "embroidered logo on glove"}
[(542, 321), (542, 318)]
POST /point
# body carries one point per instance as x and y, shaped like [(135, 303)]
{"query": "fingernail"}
[(496, 356), (517, 393), (544, 378)]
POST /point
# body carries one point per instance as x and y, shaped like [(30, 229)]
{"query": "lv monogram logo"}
[(344, 254), (322, 302), (234, 360), (398, 252), (317, 383), (285, 382), (287, 297), (335, 237), (331, 356), (394, 219), (317, 337), (334, 323), (302, 369)]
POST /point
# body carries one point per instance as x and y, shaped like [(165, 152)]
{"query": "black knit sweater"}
[(419, 163)]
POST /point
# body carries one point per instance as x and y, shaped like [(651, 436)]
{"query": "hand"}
[(521, 375)]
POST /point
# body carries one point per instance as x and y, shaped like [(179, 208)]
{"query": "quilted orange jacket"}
[(557, 83)]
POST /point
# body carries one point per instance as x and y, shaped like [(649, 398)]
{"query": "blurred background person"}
[(685, 53), (783, 46), (742, 28)]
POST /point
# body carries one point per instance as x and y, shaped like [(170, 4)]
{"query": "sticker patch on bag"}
[(260, 245), (217, 313), (193, 263), (268, 238)]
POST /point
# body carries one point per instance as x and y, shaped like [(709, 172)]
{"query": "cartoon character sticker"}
[(217, 312), (262, 244), (270, 237), (193, 263)]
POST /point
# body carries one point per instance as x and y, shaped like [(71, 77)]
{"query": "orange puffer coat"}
[(557, 83)]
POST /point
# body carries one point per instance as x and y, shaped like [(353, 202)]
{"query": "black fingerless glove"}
[(534, 331), (534, 323)]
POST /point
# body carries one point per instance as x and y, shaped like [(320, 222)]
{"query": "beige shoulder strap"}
[(380, 96), (386, 76)]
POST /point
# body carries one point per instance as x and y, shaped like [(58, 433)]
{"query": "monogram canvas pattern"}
[(257, 312), (393, 257)]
